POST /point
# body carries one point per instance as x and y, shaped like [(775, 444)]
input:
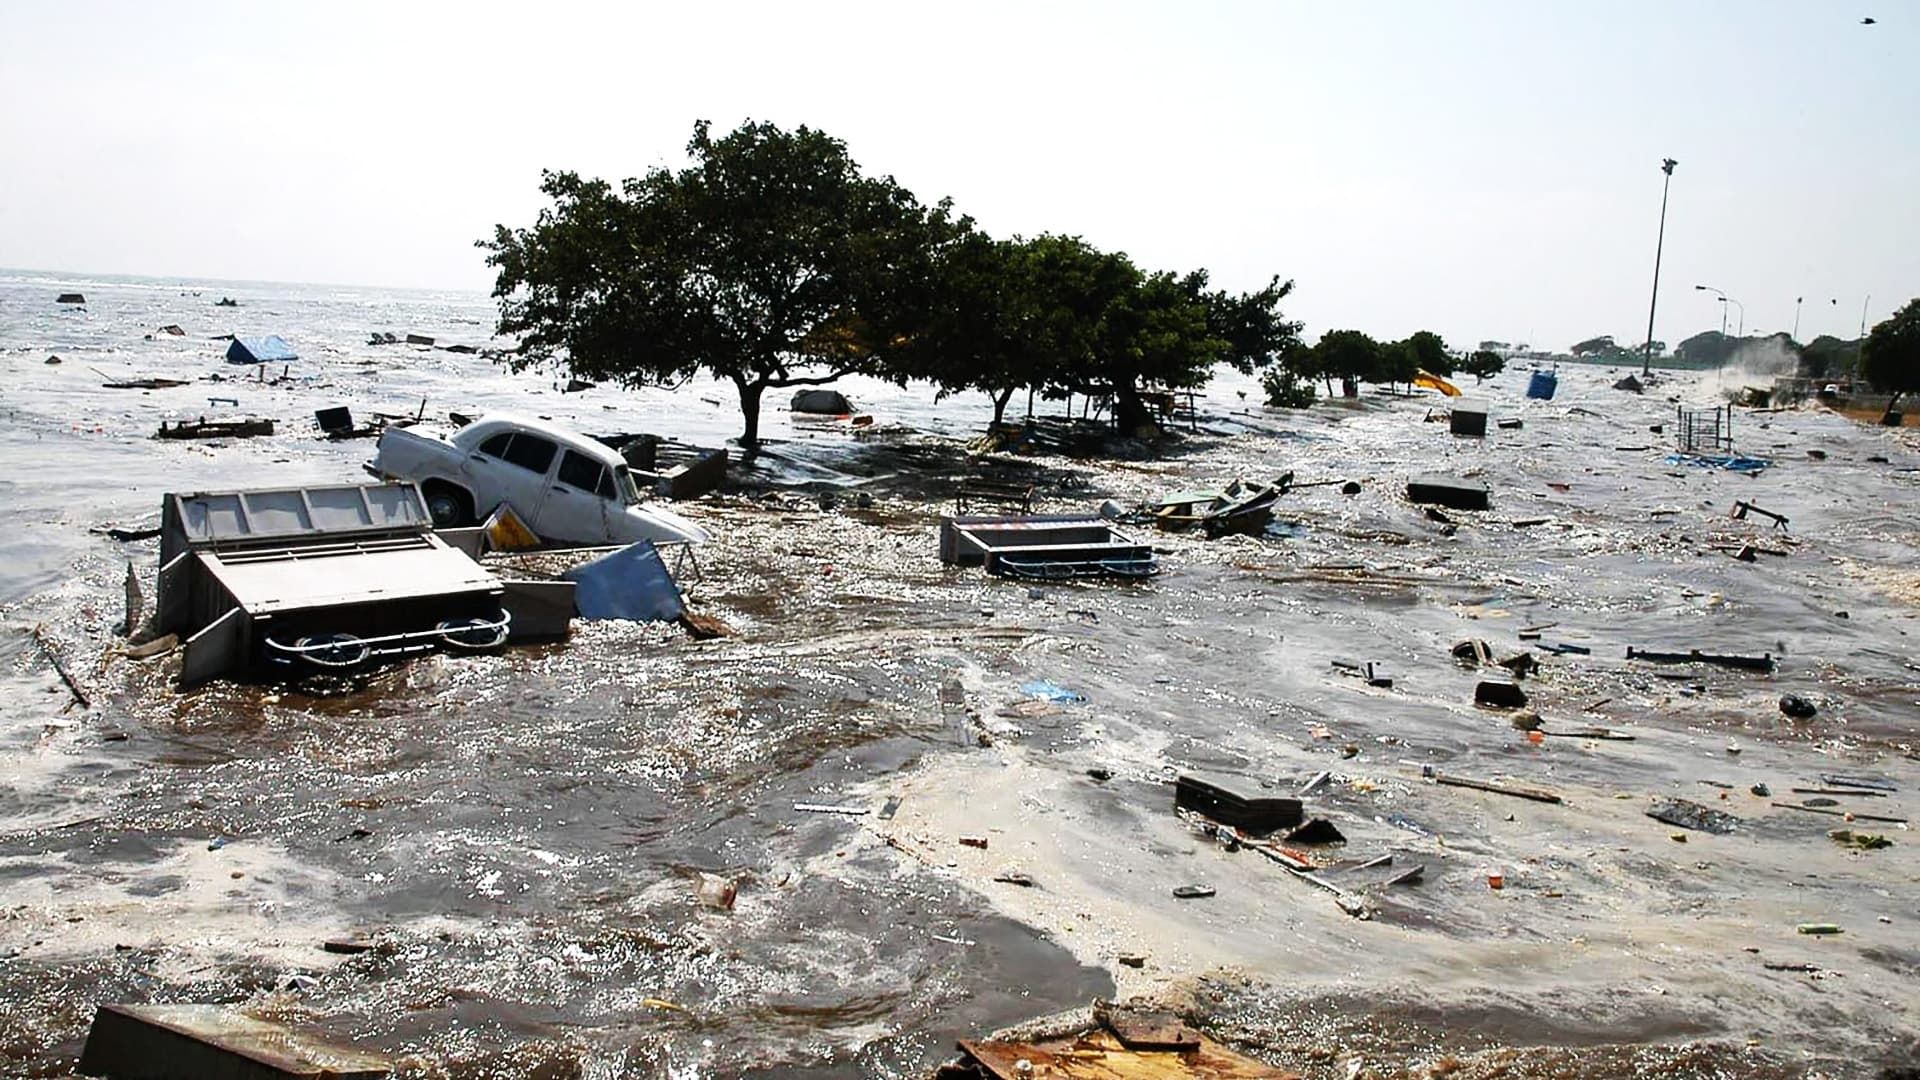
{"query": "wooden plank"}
[(1516, 790)]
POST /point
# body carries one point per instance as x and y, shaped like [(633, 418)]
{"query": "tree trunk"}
[(750, 411), (1130, 414), (1888, 411), (1000, 405)]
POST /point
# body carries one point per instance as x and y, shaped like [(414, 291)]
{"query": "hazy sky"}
[(1485, 170)]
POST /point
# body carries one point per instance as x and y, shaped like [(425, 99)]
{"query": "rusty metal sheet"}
[(1099, 1055)]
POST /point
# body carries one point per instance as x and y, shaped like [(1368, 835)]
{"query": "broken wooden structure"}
[(214, 429), (163, 1042), (1121, 1043)]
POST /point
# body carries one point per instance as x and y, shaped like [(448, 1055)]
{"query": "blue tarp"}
[(631, 583), (1046, 690), (1731, 462), (260, 350)]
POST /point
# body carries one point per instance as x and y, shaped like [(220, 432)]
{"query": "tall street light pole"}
[(1796, 317), (1740, 330), (1723, 305), (1666, 166)]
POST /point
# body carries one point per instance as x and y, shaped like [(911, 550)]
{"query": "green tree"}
[(1255, 332), (1890, 357), (1347, 354), (1428, 351), (1483, 362), (990, 328), (1709, 348), (1155, 331), (1827, 356), (770, 261)]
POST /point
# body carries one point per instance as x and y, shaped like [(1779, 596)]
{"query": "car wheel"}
[(446, 507)]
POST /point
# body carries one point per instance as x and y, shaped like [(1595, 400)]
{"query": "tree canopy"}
[(1890, 357), (773, 261), (1483, 362), (770, 261)]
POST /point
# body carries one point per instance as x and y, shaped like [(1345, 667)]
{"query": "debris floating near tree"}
[(271, 349), (1763, 662), (826, 808), (1448, 492), (60, 668), (213, 1040), (1255, 814), (214, 429), (1691, 815), (1845, 780), (1741, 508), (1807, 807), (1518, 791)]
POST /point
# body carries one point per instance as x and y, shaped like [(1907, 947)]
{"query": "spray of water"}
[(1755, 362)]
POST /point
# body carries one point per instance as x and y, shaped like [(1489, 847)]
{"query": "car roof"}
[(489, 423)]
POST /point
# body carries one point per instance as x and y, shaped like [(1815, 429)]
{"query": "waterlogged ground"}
[(520, 837)]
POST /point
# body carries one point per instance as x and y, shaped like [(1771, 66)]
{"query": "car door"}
[(578, 501), (512, 468)]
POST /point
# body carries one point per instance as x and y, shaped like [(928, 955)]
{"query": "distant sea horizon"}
[(28, 275)]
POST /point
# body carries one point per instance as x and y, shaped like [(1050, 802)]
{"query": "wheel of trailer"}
[(333, 650), (447, 505), (472, 633)]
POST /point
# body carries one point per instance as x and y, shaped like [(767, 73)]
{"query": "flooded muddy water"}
[(519, 838)]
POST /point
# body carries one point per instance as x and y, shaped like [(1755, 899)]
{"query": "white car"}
[(566, 487)]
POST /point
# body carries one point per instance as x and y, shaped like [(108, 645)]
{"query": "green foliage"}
[(1483, 362), (1710, 348), (1828, 357), (1251, 325), (1428, 352), (1890, 357), (1285, 389), (1347, 354), (770, 261)]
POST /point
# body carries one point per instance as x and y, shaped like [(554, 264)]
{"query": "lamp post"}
[(1796, 318), (1741, 329), (1646, 362), (1723, 306)]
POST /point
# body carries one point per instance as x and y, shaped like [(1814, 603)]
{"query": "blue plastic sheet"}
[(1054, 692), (632, 583), (267, 350), (1731, 462)]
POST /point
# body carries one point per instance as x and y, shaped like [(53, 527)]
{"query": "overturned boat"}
[(297, 581)]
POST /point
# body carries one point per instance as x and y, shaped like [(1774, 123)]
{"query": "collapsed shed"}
[(271, 349)]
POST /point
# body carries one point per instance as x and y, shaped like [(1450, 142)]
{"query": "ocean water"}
[(521, 835)]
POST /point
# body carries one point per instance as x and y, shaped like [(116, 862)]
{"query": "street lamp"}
[(1666, 167), (1741, 329), (1723, 306), (1796, 317)]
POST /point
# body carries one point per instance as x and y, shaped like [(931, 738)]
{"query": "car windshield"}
[(628, 488)]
